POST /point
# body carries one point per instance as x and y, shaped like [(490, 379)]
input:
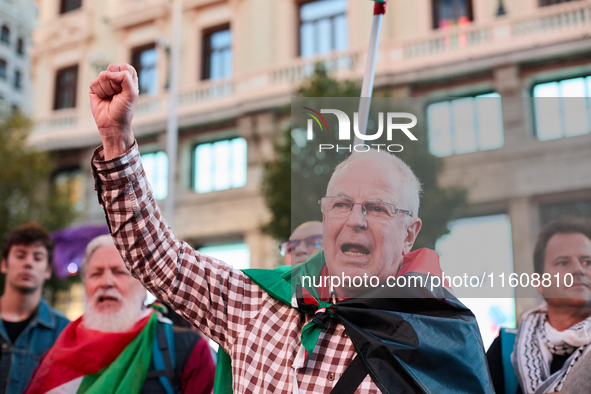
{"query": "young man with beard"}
[(28, 326), (554, 337), (118, 344), (317, 341)]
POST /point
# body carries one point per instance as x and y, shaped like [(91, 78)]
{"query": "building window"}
[(480, 246), (144, 59), (544, 3), (66, 81), (562, 108), (323, 27), (555, 211), (156, 167), (5, 34), (235, 254), (20, 46), (217, 54), (70, 182), (465, 125), (69, 5), (18, 80), (219, 165), (450, 13), (3, 68)]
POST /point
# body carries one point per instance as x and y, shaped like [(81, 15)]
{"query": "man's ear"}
[(3, 266), (411, 234)]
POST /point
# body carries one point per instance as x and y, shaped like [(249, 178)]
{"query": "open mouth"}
[(354, 250), (102, 299)]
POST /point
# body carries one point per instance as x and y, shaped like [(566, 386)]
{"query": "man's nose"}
[(357, 218), (301, 249), (29, 261), (107, 280), (579, 267)]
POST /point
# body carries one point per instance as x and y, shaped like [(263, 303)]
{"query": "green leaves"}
[(26, 192)]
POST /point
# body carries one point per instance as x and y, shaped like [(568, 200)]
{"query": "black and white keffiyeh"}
[(536, 344)]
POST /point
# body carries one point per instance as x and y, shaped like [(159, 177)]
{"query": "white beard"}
[(121, 320)]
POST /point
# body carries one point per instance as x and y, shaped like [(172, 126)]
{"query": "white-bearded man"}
[(118, 344)]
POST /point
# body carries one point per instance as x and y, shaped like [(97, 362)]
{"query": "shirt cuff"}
[(118, 171)]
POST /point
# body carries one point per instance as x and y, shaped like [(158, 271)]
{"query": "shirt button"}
[(331, 376), (345, 335)]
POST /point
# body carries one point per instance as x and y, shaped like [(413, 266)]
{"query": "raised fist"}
[(113, 96)]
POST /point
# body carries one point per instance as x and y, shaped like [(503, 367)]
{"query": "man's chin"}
[(116, 317), (108, 306)]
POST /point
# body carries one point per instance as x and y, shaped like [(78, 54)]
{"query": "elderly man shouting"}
[(315, 339), (118, 345)]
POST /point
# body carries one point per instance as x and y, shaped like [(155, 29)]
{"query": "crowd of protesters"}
[(275, 334)]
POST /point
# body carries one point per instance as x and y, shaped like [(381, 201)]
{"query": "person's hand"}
[(113, 96)]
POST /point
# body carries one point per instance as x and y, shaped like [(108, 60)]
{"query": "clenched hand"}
[(113, 96)]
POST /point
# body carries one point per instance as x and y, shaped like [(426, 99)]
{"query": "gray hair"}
[(101, 240), (412, 185)]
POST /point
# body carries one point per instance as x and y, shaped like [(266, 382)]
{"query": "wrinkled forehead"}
[(369, 174), (105, 257), (567, 244)]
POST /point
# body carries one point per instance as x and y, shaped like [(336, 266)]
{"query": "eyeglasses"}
[(313, 242), (342, 206)]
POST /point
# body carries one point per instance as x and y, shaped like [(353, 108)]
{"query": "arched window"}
[(20, 46), (5, 34)]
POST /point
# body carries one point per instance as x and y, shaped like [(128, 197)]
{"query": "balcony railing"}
[(560, 23)]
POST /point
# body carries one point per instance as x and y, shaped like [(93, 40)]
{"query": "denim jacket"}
[(20, 359)]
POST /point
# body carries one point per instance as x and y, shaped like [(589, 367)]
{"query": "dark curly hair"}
[(28, 234)]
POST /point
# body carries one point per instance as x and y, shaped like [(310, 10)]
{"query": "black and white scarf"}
[(536, 344)]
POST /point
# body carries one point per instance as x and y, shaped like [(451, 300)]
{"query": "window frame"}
[(155, 152), (73, 86), (206, 50), (4, 66), (5, 34), (20, 46), (300, 23), (70, 173), (549, 3), (434, 13), (66, 7), (135, 62), (450, 99), (557, 80), (17, 83), (193, 172)]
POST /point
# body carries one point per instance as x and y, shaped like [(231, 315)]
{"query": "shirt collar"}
[(44, 316)]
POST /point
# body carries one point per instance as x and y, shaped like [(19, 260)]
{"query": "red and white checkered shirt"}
[(261, 335)]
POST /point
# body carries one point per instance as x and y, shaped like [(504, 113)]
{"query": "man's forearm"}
[(116, 142), (195, 285)]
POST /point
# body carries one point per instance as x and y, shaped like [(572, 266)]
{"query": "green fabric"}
[(279, 283), (127, 373), (223, 374)]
